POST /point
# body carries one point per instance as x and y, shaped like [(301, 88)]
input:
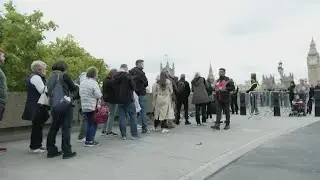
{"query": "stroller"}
[(298, 106)]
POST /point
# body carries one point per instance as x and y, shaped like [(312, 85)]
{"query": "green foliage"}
[(21, 37)]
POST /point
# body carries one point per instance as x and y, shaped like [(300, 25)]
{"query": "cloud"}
[(242, 36)]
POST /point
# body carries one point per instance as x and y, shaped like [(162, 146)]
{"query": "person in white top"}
[(33, 111), (90, 93)]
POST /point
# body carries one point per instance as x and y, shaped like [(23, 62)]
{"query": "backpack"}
[(58, 99), (101, 114), (180, 86)]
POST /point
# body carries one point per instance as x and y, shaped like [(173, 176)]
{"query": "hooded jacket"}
[(108, 92), (185, 93), (140, 80), (200, 94), (123, 88)]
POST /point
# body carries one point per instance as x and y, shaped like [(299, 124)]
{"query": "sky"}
[(242, 36)]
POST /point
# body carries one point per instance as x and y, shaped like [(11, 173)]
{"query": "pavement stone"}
[(292, 156), (176, 155)]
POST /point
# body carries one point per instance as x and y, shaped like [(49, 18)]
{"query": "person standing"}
[(141, 83), (254, 96), (124, 87), (210, 91), (291, 91), (223, 88), (310, 102), (162, 102), (83, 124), (183, 93), (108, 97), (3, 91), (234, 99), (200, 97), (60, 77), (37, 113)]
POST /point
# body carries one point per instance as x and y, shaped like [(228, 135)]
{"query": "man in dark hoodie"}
[(223, 87), (141, 83), (123, 90), (183, 93)]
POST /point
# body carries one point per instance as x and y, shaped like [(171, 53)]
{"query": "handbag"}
[(136, 102), (101, 113), (43, 99)]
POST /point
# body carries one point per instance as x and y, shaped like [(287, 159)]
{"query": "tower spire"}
[(210, 76), (313, 50)]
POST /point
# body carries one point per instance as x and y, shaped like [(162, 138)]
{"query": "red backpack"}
[(101, 114)]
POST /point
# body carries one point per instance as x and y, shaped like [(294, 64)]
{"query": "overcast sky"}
[(242, 36)]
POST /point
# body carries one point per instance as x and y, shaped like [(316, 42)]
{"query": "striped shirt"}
[(89, 93)]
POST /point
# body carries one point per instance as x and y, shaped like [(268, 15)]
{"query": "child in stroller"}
[(298, 106)]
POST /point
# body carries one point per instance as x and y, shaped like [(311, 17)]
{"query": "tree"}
[(22, 35)]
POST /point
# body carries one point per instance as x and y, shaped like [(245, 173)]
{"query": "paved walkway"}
[(294, 156), (187, 152)]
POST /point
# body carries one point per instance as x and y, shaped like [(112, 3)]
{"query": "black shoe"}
[(227, 127), (216, 126), (111, 134), (69, 155), (177, 122), (59, 153), (187, 122)]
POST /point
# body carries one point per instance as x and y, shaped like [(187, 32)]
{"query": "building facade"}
[(167, 67), (313, 62)]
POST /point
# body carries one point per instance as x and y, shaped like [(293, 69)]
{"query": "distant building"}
[(210, 75), (313, 62), (284, 79), (167, 67)]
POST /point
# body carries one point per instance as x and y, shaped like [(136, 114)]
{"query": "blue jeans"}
[(112, 112), (143, 113), (91, 126), (129, 109)]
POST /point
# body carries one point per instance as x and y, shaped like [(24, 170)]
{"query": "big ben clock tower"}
[(313, 61)]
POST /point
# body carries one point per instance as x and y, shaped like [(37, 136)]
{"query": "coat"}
[(162, 101), (199, 89)]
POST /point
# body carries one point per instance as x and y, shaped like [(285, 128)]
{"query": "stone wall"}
[(15, 107)]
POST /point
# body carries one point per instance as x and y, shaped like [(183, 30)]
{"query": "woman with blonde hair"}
[(162, 102)]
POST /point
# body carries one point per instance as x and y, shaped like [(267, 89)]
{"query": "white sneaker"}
[(81, 140), (37, 150), (164, 130), (139, 127)]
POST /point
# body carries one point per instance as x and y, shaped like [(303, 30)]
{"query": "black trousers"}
[(234, 104), (164, 124), (209, 110), (185, 107), (201, 107), (310, 102), (225, 106), (38, 123), (63, 121)]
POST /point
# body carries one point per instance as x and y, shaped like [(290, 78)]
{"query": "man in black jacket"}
[(141, 83), (123, 90), (223, 87), (234, 99), (183, 93)]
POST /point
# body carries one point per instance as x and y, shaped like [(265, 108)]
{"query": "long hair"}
[(111, 73), (163, 79)]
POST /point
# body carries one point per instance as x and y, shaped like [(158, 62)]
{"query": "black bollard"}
[(317, 103), (276, 103), (243, 108)]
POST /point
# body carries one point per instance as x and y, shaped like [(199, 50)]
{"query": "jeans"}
[(223, 106), (91, 126), (234, 104), (63, 121), (107, 126), (143, 113), (254, 103), (83, 127), (130, 109), (185, 104), (203, 108)]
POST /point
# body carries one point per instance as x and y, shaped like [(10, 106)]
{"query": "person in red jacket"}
[(223, 87)]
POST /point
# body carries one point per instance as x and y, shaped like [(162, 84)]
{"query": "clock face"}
[(312, 61)]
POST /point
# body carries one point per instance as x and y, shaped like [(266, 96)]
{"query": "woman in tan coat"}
[(162, 102)]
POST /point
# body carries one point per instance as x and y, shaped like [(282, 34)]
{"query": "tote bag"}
[(44, 100), (136, 102)]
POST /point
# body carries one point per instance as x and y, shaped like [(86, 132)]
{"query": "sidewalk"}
[(176, 155), (294, 156)]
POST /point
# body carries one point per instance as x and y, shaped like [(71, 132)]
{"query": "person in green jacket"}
[(3, 91)]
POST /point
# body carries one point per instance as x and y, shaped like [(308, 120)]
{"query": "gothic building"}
[(210, 75), (167, 67), (268, 82), (284, 79), (313, 62)]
